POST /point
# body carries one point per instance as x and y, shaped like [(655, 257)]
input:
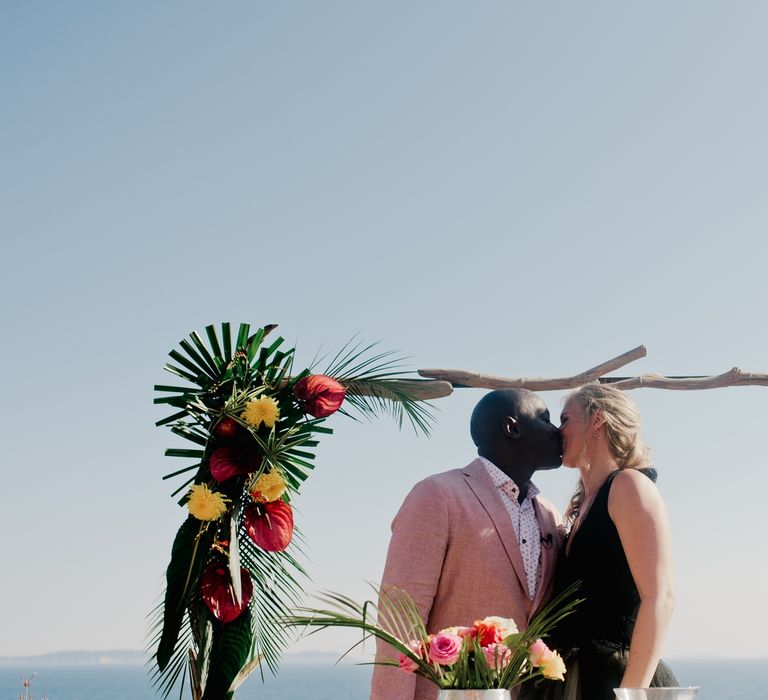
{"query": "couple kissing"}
[(480, 540)]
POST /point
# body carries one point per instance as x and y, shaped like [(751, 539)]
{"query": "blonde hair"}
[(622, 432)]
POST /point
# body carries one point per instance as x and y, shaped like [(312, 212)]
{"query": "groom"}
[(477, 541)]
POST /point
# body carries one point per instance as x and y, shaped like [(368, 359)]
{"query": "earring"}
[(594, 435)]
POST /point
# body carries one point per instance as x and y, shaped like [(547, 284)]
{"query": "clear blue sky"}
[(521, 189)]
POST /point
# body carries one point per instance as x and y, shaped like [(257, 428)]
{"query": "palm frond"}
[(276, 589), (374, 621), (376, 385)]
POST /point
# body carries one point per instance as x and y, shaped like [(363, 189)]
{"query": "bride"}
[(618, 547)]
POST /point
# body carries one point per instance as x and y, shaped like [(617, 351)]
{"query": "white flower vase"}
[(655, 693), (474, 695)]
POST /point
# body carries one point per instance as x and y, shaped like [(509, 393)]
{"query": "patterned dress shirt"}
[(524, 521)]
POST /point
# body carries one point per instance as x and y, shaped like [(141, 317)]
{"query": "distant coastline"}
[(129, 657), (112, 657), (132, 657)]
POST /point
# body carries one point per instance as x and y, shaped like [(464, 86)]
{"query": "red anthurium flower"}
[(269, 525), (230, 461), (319, 395), (218, 595)]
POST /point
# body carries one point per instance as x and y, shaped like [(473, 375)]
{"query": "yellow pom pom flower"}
[(268, 487), (205, 504), (262, 410)]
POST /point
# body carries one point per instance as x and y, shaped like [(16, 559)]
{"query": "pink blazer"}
[(454, 550)]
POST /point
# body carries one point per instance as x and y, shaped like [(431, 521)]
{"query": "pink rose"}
[(444, 649), (497, 655), (539, 653), (406, 663)]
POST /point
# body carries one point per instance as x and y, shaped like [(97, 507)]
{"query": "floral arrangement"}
[(490, 654), (254, 422), (486, 655)]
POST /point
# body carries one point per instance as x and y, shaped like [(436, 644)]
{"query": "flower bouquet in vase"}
[(482, 661)]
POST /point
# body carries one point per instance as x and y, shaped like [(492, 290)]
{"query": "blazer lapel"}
[(549, 549), (480, 482)]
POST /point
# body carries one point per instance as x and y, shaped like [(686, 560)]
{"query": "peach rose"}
[(459, 631), (553, 667)]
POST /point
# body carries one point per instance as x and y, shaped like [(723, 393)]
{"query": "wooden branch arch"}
[(438, 383)]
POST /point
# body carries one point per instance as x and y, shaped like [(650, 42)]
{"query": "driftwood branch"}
[(462, 378), (734, 377)]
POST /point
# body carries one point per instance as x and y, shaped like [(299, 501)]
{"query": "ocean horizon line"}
[(135, 657)]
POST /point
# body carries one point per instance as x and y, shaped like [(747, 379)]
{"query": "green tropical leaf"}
[(254, 343), (205, 366), (230, 651), (176, 389), (215, 363), (199, 371), (210, 331), (190, 550), (181, 471), (191, 433), (226, 335), (171, 419), (176, 452), (242, 335), (181, 373)]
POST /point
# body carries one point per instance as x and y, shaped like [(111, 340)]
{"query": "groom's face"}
[(539, 443)]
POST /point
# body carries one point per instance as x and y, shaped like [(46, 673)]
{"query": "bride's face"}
[(574, 429)]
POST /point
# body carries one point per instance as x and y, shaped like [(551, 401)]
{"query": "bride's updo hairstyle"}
[(622, 431)]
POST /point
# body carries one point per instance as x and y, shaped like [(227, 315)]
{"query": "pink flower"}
[(539, 653), (405, 662), (497, 655), (444, 649)]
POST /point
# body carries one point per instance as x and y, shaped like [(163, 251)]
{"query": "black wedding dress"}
[(595, 638)]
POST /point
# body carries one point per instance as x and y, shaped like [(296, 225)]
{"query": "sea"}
[(718, 680)]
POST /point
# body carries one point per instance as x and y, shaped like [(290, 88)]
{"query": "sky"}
[(522, 189)]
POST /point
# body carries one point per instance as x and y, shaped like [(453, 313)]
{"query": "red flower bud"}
[(269, 525), (226, 428), (218, 594), (319, 395)]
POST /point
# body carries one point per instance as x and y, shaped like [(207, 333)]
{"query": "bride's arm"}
[(641, 519)]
